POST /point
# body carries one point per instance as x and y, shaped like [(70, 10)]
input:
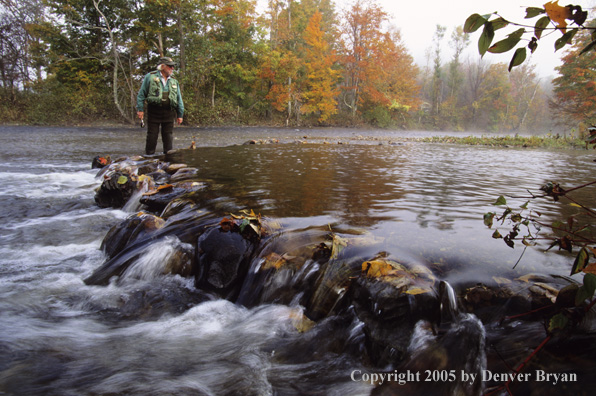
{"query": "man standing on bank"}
[(164, 103)]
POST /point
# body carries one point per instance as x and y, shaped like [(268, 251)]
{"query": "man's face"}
[(167, 70)]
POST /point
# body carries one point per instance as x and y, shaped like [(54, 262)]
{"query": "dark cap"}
[(166, 61)]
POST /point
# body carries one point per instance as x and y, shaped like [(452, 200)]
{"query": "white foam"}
[(49, 185), (151, 264)]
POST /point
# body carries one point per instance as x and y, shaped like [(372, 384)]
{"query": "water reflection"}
[(424, 200)]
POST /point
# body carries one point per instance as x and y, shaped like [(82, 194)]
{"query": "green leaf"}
[(500, 201), (122, 179), (590, 284), (518, 58), (581, 296), (474, 22), (499, 23), (516, 218), (525, 206), (558, 224), (486, 38), (243, 225), (488, 219), (508, 43), (506, 213), (586, 291), (582, 259), (497, 235), (540, 25), (558, 322), (532, 12), (565, 39)]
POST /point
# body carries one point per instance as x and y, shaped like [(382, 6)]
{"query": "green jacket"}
[(152, 90)]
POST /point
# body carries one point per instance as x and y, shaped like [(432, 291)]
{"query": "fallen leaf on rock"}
[(501, 280), (165, 187), (542, 289), (273, 260)]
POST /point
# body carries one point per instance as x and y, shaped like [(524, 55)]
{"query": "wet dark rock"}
[(156, 203), (389, 316), (173, 168), (460, 349), (334, 280), (223, 258), (170, 257), (132, 229), (148, 167), (149, 302), (184, 174), (100, 162), (116, 190), (171, 197), (159, 176), (519, 296)]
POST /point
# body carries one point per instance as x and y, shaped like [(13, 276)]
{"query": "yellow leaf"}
[(576, 205), (530, 277), (300, 321), (558, 14), (339, 244), (417, 290), (273, 260), (378, 268)]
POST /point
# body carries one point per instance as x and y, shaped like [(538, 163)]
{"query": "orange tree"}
[(321, 77)]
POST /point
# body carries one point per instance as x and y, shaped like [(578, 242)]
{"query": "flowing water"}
[(156, 335)]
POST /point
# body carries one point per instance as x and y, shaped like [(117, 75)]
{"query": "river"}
[(425, 202)]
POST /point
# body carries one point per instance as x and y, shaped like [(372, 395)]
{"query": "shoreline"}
[(337, 135)]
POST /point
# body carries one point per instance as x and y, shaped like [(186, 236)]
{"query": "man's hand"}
[(179, 120), (140, 114)]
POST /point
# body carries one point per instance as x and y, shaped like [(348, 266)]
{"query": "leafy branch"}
[(526, 225), (552, 14)]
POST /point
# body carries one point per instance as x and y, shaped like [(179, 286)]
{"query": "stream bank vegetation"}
[(549, 141)]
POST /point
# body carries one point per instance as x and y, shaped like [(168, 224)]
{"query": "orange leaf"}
[(558, 14), (165, 187), (227, 224), (590, 269)]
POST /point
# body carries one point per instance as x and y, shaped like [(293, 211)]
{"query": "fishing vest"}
[(157, 96)]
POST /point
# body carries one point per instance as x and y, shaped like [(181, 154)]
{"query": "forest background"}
[(299, 63)]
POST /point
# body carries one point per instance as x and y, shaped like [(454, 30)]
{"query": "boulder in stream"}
[(116, 190), (390, 298), (133, 228), (223, 258)]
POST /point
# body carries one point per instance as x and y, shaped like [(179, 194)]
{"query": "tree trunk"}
[(213, 95), (523, 118), (116, 62), (182, 47)]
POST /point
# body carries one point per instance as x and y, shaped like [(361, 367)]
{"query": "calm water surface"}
[(424, 202)]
